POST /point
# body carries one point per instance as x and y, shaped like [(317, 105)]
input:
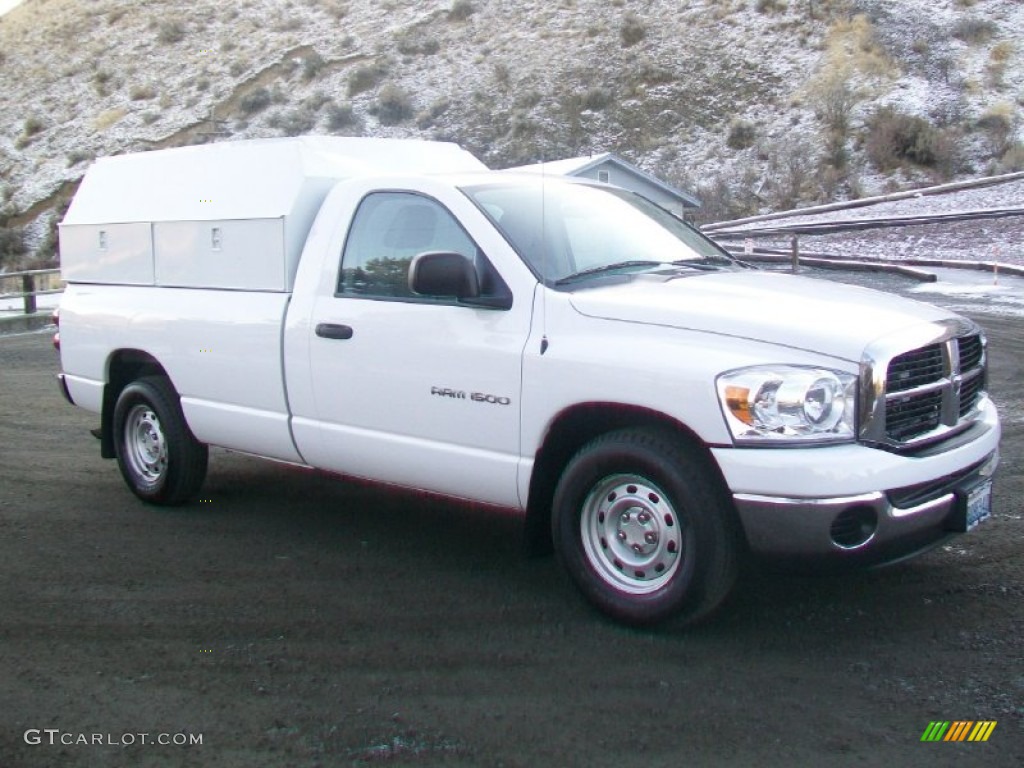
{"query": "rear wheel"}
[(160, 459), (645, 529)]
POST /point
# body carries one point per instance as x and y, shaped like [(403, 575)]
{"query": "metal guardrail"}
[(31, 282), (856, 225)]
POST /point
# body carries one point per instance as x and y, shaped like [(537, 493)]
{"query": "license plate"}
[(979, 505)]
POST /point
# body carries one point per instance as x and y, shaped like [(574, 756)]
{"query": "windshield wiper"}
[(607, 268), (704, 267)]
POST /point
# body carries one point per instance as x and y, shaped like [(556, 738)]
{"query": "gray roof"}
[(577, 166)]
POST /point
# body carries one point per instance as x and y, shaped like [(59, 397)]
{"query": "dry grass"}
[(106, 119)]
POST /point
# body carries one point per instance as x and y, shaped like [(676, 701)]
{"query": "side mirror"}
[(441, 273)]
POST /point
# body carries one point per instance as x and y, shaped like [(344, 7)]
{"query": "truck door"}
[(420, 391)]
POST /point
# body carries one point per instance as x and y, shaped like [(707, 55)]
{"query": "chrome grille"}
[(915, 368), (908, 417), (970, 391), (923, 393), (972, 350)]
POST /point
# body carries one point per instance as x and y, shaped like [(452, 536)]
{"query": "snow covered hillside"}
[(753, 104)]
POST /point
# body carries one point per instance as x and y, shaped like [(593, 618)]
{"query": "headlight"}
[(786, 404)]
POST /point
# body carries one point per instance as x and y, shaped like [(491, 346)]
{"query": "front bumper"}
[(885, 507), (864, 530)]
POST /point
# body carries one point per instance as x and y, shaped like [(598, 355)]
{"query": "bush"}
[(12, 245), (597, 99), (632, 31), (141, 93), (461, 10), (340, 116), (1012, 160), (999, 124), (741, 134), (365, 77), (393, 105), (77, 156), (418, 45), (255, 101), (972, 29), (102, 81), (294, 123), (426, 118), (171, 32), (895, 138), (311, 66), (32, 126)]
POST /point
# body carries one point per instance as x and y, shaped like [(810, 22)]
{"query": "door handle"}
[(333, 331)]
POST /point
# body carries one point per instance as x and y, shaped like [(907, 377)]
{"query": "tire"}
[(644, 528), (160, 459)]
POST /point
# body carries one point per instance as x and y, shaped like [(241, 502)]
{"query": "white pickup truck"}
[(393, 310)]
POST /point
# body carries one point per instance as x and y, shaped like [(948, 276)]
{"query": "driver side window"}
[(388, 230)]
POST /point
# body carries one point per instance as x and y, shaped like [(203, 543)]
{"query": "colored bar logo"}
[(958, 730)]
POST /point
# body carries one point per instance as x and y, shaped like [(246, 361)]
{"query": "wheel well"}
[(573, 429), (123, 367)]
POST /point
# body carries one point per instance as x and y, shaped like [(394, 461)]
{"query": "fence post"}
[(28, 287), (795, 246)]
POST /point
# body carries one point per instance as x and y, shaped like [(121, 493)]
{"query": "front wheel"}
[(645, 529), (160, 459)]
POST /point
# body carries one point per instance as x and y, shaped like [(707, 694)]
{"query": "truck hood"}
[(814, 315)]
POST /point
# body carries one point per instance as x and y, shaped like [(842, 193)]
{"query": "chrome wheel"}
[(145, 445), (631, 534)]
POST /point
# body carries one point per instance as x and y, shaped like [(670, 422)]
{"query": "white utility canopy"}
[(225, 215)]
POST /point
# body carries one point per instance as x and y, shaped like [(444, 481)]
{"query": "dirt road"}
[(293, 619)]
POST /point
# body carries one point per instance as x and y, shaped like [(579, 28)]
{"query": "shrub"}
[(393, 105), (294, 122), (365, 77), (895, 138), (632, 30), (340, 116), (32, 126), (461, 10), (741, 134), (426, 118), (255, 101), (834, 99), (417, 45), (171, 32), (998, 123), (503, 74), (12, 245), (972, 29), (1012, 160), (311, 66), (141, 92), (106, 119), (77, 156), (316, 100), (998, 60), (597, 99)]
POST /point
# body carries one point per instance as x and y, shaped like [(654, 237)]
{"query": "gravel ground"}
[(295, 619)]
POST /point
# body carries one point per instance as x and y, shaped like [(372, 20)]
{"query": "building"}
[(609, 168)]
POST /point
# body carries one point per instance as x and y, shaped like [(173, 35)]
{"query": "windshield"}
[(565, 231)]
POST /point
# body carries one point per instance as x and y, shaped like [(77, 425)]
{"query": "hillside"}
[(754, 104)]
